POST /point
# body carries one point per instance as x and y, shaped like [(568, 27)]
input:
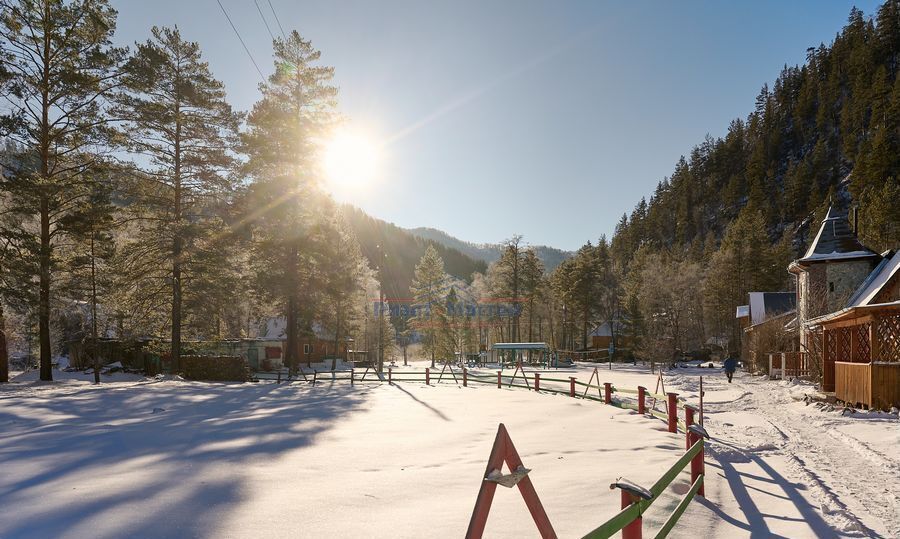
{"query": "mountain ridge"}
[(488, 252)]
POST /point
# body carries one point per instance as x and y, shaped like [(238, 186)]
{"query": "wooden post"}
[(279, 376), (634, 530), (537, 381), (351, 377), (701, 401), (390, 377), (697, 463), (571, 386), (315, 374), (688, 421), (607, 392), (465, 377), (673, 412), (499, 380), (642, 400), (427, 376)]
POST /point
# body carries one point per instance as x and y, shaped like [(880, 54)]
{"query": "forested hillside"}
[(737, 208), (489, 252), (402, 250)]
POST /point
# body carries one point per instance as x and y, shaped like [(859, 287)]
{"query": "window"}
[(306, 349)]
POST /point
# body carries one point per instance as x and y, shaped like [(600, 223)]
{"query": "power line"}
[(238, 34), (276, 19), (263, 17)]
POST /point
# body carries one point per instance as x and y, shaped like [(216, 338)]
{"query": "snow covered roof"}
[(850, 312), (605, 329), (836, 241), (887, 269), (274, 328), (520, 346), (786, 316), (766, 305)]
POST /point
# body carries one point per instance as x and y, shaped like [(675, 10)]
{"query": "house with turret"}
[(848, 316)]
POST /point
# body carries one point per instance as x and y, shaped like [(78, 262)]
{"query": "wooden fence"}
[(873, 385), (788, 365), (628, 520)]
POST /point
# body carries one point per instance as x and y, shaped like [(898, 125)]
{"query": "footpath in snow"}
[(167, 458)]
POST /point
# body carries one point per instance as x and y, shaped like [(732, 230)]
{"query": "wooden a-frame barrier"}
[(504, 451), (519, 368)]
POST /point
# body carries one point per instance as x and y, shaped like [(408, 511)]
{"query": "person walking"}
[(730, 366)]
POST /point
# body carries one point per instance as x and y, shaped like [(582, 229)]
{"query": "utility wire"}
[(264, 20), (276, 19), (238, 34)]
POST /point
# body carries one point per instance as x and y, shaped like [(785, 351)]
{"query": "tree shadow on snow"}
[(172, 433)]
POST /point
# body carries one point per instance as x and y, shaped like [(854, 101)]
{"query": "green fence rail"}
[(629, 514)]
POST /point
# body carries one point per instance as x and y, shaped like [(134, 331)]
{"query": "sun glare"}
[(351, 161)]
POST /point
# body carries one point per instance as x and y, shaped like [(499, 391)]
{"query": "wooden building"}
[(832, 269), (860, 344), (861, 355), (608, 332)]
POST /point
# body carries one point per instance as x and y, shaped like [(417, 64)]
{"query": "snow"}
[(877, 280), (162, 457)]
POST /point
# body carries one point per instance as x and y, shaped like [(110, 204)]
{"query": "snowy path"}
[(147, 458), (794, 471)]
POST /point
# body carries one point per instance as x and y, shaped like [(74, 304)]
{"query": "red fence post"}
[(571, 386), (607, 392), (673, 412), (427, 376), (499, 381), (697, 463), (688, 421), (634, 529), (465, 377), (537, 381), (642, 400), (390, 378)]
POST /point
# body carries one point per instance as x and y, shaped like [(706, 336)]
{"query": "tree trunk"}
[(44, 292), (177, 247), (380, 328), (94, 310), (4, 355), (290, 356), (45, 252)]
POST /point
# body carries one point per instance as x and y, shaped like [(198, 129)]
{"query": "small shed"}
[(861, 354)]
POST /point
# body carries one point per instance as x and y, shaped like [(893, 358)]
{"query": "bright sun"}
[(351, 160)]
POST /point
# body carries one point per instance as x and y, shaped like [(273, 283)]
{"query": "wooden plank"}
[(885, 389), (853, 382)]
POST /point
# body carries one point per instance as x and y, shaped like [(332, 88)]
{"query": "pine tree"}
[(90, 275), (61, 72), (177, 117), (428, 291), (284, 202)]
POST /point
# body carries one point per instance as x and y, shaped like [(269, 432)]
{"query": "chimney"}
[(855, 220)]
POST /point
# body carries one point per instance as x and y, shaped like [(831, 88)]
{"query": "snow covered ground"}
[(167, 458)]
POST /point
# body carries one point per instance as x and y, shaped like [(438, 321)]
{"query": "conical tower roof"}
[(836, 241)]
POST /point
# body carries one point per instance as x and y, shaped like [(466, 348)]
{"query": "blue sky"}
[(546, 119)]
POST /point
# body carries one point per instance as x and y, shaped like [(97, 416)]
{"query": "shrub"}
[(215, 368)]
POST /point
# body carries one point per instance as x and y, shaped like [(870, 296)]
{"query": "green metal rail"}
[(633, 511)]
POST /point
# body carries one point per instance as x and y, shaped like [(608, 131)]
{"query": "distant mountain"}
[(402, 251), (488, 252)]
